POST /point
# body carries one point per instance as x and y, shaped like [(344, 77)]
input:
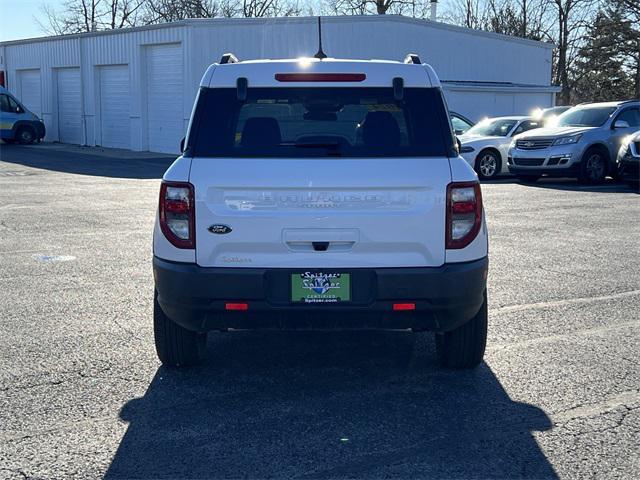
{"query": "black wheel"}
[(593, 166), (25, 135), (175, 345), (488, 164), (464, 346), (528, 178)]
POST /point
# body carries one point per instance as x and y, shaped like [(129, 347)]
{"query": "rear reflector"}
[(320, 77), (236, 306), (404, 306)]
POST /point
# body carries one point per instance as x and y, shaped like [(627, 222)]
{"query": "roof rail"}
[(228, 58), (633, 100), (412, 58)]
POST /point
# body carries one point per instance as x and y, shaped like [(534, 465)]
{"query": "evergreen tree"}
[(600, 73), (630, 27)]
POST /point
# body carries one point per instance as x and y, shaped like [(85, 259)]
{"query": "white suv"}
[(323, 194)]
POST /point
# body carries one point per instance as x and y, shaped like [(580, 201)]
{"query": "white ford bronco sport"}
[(320, 194)]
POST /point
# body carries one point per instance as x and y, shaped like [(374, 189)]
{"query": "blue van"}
[(17, 123)]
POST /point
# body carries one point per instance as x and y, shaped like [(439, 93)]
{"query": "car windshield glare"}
[(320, 122), (585, 117), (493, 128)]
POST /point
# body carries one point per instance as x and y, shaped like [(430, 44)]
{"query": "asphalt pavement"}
[(82, 394)]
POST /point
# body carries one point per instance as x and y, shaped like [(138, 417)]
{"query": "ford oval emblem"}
[(219, 229)]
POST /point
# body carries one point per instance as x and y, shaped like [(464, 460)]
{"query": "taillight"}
[(177, 213), (464, 213)]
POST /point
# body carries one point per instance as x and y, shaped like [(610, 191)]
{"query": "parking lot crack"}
[(16, 471), (560, 303), (630, 400), (126, 330), (69, 377), (617, 423), (558, 272)]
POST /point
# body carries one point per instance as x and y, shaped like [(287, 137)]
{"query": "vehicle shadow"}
[(87, 161), (328, 405), (568, 184)]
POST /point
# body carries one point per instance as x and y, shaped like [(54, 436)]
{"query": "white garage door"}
[(31, 90), (69, 109), (164, 98), (114, 106)]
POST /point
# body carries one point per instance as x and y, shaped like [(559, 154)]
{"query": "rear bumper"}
[(445, 297)]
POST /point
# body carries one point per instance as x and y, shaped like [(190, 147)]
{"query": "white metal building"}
[(134, 88)]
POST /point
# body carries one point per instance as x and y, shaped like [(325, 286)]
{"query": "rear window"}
[(320, 122)]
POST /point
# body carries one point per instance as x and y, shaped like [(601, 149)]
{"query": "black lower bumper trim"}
[(571, 171), (629, 170), (445, 297)]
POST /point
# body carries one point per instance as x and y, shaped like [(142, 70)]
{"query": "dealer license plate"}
[(320, 287)]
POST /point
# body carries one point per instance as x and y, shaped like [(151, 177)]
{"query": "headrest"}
[(380, 130), (261, 132)]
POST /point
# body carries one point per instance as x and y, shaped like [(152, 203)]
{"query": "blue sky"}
[(17, 18)]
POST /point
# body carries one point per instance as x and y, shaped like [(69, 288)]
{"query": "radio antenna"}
[(320, 55)]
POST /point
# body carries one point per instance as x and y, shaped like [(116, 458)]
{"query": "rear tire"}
[(25, 135), (464, 347), (175, 345)]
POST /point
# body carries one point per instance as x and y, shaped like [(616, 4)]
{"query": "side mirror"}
[(182, 145), (458, 132), (621, 124), (459, 144)]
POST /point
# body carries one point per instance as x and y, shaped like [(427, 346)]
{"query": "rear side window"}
[(319, 122)]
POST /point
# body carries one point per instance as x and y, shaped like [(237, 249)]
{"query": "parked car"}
[(629, 160), (485, 146), (584, 144), (549, 116), (320, 194), (17, 123), (460, 123)]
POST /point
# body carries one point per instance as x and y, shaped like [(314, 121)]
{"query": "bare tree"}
[(379, 7), (572, 18), (522, 18), (76, 16), (466, 13), (160, 11), (270, 8)]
